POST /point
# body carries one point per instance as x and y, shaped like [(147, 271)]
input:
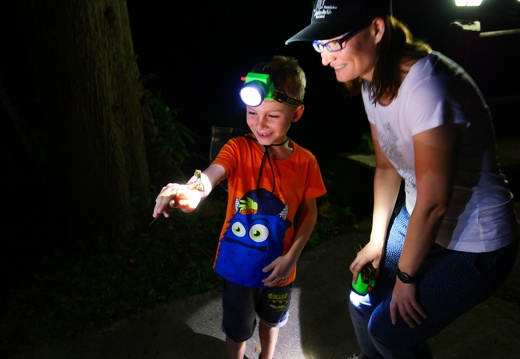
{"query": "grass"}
[(90, 287)]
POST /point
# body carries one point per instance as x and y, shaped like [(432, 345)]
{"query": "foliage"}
[(176, 136), (366, 146), (333, 218)]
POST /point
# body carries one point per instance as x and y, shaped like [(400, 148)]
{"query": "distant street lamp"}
[(468, 2)]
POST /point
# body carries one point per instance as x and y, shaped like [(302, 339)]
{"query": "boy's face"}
[(270, 121)]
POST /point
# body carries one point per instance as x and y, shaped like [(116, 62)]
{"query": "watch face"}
[(404, 277)]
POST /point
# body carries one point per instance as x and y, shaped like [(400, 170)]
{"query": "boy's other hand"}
[(280, 267)]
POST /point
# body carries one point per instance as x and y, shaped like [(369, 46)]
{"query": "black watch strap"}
[(405, 277)]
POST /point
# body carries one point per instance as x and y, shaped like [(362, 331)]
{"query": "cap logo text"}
[(321, 10)]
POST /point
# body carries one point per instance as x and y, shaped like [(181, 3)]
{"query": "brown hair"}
[(396, 45), (286, 75)]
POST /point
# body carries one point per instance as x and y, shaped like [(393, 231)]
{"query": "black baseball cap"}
[(331, 18)]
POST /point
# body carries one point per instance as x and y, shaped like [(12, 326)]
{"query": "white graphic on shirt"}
[(390, 145)]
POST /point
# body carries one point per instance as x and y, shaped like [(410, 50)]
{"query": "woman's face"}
[(358, 55)]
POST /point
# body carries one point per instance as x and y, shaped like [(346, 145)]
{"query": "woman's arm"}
[(387, 183), (435, 164)]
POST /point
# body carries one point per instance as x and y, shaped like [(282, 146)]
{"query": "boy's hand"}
[(174, 195), (281, 267)]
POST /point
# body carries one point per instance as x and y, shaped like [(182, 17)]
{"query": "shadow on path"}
[(319, 326)]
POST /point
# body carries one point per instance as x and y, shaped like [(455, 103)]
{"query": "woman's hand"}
[(369, 254), (404, 301)]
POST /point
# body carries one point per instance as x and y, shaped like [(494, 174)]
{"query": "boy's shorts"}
[(242, 304)]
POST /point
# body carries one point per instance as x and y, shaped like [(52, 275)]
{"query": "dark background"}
[(199, 52)]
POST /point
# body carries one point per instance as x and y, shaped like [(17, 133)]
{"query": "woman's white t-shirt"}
[(437, 91)]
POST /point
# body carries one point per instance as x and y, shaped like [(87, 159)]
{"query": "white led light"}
[(251, 95), (468, 2)]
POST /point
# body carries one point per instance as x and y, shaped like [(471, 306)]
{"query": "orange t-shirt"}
[(259, 225)]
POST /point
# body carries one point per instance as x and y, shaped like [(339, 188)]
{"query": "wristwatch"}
[(404, 277)]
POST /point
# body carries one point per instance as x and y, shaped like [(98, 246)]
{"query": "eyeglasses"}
[(336, 45)]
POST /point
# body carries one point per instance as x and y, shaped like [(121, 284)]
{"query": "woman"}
[(455, 239)]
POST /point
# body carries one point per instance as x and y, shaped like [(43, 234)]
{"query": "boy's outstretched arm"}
[(186, 197), (281, 266)]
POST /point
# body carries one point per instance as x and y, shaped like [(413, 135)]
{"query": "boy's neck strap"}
[(266, 155)]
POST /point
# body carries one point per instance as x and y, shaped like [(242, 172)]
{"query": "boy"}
[(270, 180)]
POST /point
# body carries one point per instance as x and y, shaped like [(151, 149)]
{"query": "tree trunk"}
[(89, 100)]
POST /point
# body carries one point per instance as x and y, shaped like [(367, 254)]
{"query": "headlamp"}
[(258, 87)]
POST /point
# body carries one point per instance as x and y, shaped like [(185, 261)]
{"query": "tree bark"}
[(89, 100)]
